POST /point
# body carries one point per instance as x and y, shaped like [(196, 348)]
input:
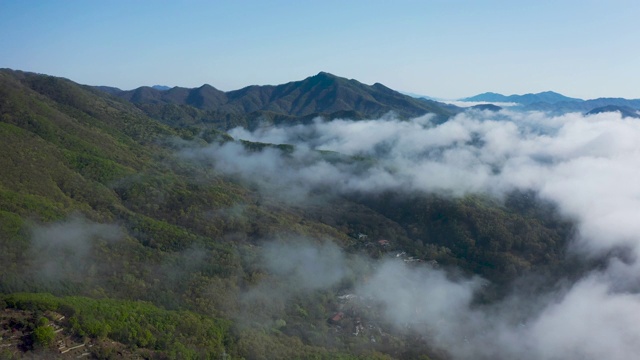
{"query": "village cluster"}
[(16, 334)]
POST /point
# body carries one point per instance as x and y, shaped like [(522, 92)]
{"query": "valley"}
[(321, 218)]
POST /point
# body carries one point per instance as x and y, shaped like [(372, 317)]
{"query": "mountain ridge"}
[(525, 99), (555, 103), (585, 106), (323, 94), (625, 111)]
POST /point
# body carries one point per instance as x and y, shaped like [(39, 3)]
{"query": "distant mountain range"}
[(625, 111), (324, 95), (526, 99), (331, 97), (625, 106), (555, 103)]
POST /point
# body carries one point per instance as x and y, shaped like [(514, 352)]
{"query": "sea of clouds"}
[(589, 166)]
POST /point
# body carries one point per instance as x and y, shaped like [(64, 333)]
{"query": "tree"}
[(44, 336)]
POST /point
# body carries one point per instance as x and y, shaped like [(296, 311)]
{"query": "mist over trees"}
[(165, 230)]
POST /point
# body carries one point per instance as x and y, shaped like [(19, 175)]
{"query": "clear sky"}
[(441, 48)]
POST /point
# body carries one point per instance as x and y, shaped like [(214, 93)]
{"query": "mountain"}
[(321, 95), (624, 111), (584, 106), (117, 240), (487, 96), (526, 99), (554, 103), (205, 97), (489, 107), (161, 87)]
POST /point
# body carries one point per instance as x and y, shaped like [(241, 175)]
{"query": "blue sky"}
[(444, 48)]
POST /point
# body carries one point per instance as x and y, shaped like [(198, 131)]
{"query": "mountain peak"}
[(323, 78), (548, 92), (325, 74), (207, 87)]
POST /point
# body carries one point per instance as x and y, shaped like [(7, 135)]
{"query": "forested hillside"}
[(115, 235)]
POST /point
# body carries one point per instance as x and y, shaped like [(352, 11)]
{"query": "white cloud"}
[(474, 103), (63, 250), (588, 165)]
